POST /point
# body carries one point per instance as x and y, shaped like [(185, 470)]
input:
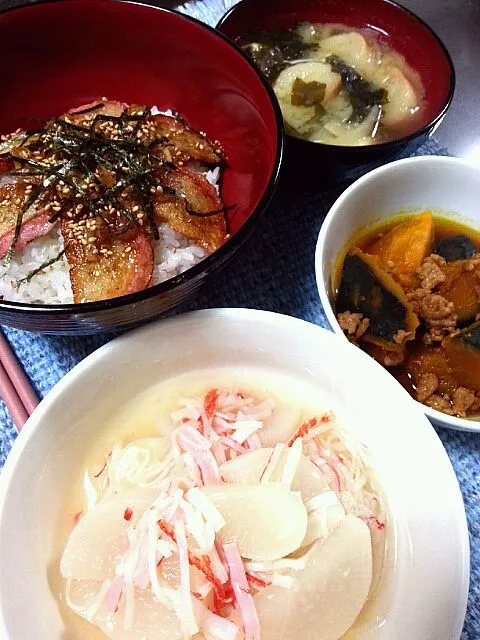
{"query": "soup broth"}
[(337, 85), (157, 414), (413, 281)]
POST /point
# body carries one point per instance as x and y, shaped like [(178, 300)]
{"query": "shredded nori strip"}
[(18, 224), (84, 150), (43, 266)]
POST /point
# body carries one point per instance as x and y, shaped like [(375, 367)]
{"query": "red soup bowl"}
[(55, 56), (315, 164)]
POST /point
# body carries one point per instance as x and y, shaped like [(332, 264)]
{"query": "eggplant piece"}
[(367, 289), (463, 353), (455, 248)]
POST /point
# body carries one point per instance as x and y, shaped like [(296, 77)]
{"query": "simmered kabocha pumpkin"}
[(423, 360), (403, 249), (462, 288), (426, 265), (368, 289), (463, 353)]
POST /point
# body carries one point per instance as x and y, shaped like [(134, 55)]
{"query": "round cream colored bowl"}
[(446, 185), (424, 589)]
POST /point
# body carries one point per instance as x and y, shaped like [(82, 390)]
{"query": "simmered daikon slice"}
[(80, 593), (402, 99), (302, 88), (100, 537), (332, 589), (280, 426), (151, 621), (266, 521), (246, 469), (309, 480), (249, 468), (325, 511)]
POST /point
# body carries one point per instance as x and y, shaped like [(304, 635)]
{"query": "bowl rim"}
[(239, 315), (211, 262), (439, 418), (390, 145)]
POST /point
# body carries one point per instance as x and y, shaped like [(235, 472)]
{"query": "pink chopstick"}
[(15, 389)]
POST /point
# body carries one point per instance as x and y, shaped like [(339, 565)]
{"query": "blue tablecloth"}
[(274, 272)]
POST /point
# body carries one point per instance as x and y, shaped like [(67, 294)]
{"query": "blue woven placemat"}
[(274, 272)]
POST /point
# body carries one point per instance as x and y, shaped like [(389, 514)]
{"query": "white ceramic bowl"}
[(444, 184), (426, 594)]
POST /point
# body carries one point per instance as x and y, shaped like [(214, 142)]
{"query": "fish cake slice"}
[(110, 267)]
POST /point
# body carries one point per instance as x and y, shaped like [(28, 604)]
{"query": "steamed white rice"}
[(173, 254)]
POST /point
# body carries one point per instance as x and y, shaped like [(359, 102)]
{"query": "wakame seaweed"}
[(273, 50), (363, 94), (307, 94)]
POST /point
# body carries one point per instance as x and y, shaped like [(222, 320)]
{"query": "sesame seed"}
[(84, 242), (135, 208), (57, 208), (109, 253), (128, 249), (92, 239)]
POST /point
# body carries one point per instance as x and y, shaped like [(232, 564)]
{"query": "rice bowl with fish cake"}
[(104, 201)]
